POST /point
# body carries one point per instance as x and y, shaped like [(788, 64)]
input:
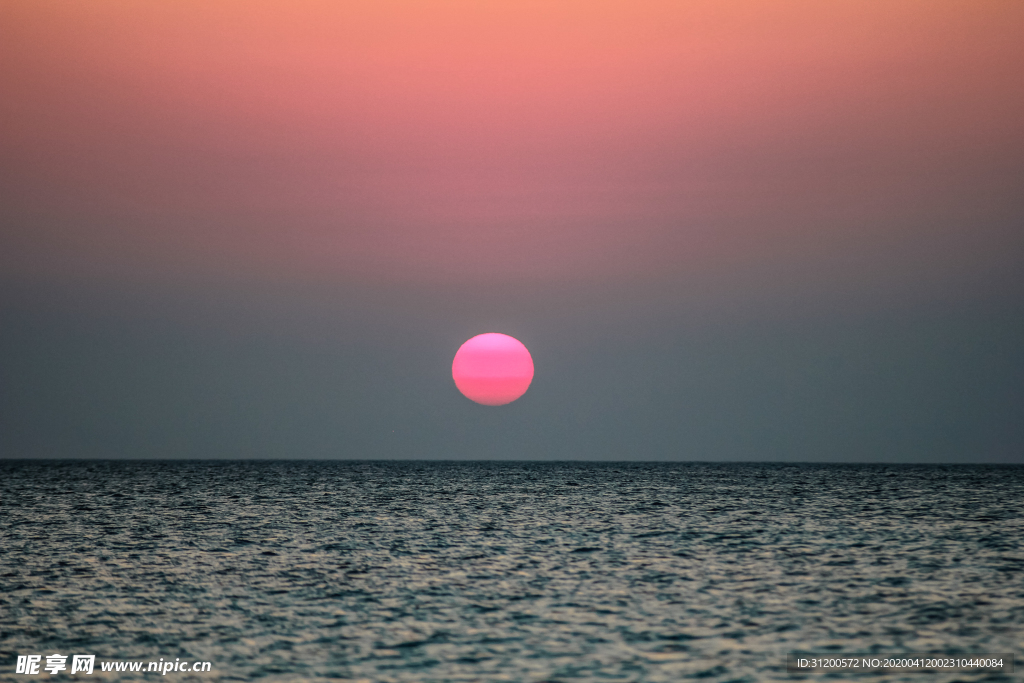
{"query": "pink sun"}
[(493, 369)]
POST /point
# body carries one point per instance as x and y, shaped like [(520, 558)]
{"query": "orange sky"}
[(509, 140)]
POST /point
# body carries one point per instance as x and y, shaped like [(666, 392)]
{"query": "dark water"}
[(517, 571)]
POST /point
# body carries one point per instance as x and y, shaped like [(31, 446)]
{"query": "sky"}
[(787, 230)]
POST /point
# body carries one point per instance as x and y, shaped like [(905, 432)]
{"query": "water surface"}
[(403, 571)]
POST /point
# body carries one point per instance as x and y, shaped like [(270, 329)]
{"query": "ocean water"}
[(416, 571)]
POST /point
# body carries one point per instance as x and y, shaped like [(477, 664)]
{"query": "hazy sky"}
[(752, 230)]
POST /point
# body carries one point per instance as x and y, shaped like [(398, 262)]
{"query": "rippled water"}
[(507, 571)]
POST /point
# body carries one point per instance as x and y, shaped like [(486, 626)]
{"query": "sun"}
[(493, 369)]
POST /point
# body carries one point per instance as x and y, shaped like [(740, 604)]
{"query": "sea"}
[(507, 571)]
